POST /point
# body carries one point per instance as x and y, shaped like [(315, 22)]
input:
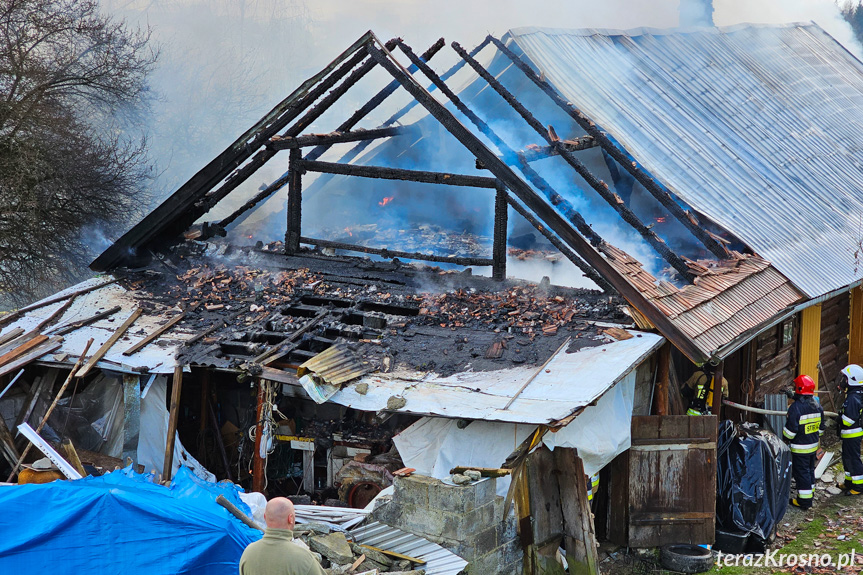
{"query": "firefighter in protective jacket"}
[(803, 431), (851, 430)]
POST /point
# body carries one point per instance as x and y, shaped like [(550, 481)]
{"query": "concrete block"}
[(468, 525), (510, 552), (422, 521), (334, 547), (486, 540), (507, 530), (452, 498), (485, 491), (413, 490)]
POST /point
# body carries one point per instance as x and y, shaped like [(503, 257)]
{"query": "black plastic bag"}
[(753, 482)]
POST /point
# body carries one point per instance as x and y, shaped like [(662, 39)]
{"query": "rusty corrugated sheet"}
[(335, 365)]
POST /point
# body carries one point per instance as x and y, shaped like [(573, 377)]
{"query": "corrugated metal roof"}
[(758, 127), (439, 561), (336, 365), (569, 382)]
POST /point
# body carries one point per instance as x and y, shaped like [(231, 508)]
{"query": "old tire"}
[(685, 558)]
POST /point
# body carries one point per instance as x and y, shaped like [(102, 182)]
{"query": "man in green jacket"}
[(274, 553)]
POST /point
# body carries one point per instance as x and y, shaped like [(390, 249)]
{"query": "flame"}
[(660, 220), (385, 201), (348, 231)]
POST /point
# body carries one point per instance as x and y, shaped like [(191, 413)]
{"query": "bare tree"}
[(72, 82)]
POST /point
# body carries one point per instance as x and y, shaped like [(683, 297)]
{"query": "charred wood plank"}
[(532, 154), (84, 322), (588, 271), (179, 211), (512, 158), (337, 137), (358, 149), (598, 185), (295, 204), (173, 418), (498, 270), (9, 318), (115, 337), (51, 345), (171, 323), (388, 254), (400, 174), (621, 156), (561, 226), (220, 323)]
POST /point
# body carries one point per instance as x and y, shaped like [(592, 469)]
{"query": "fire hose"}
[(767, 411)]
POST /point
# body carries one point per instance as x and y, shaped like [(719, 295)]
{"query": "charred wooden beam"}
[(376, 101), (598, 185), (532, 154), (388, 254), (337, 137), (295, 203), (512, 157), (588, 271), (621, 156), (297, 127), (179, 211), (561, 226), (399, 174), (358, 149), (84, 322), (498, 270)]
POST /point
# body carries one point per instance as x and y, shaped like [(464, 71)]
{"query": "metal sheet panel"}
[(439, 561), (569, 382), (758, 127)]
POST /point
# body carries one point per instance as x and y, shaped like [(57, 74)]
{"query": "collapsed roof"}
[(628, 111)]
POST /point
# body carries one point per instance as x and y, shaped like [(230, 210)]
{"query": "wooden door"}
[(663, 489)]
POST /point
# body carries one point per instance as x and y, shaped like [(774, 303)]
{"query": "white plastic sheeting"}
[(601, 431), (154, 434), (434, 445)]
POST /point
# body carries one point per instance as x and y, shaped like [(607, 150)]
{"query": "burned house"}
[(704, 182)]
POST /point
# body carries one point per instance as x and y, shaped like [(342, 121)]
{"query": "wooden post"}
[(257, 460), (579, 533), (663, 376), (176, 389), (717, 389), (295, 202), (499, 236)]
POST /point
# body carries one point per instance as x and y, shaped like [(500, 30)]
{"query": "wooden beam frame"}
[(307, 140)]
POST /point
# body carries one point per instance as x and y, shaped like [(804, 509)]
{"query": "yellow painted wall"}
[(855, 343), (810, 341)]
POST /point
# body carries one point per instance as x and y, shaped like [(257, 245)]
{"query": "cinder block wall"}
[(468, 520)]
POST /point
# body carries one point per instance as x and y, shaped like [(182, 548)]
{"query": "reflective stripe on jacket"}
[(803, 424)]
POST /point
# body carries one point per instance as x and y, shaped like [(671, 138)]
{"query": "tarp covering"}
[(122, 523), (753, 482)]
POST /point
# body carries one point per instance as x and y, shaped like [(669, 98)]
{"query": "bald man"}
[(274, 554)]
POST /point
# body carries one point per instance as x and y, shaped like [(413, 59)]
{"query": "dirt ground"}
[(833, 526)]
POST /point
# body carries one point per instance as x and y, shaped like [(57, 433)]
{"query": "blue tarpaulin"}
[(122, 523)]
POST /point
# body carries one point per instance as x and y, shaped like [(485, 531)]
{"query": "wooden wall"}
[(835, 327), (775, 364)]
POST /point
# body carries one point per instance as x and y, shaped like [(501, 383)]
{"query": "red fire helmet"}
[(804, 385)]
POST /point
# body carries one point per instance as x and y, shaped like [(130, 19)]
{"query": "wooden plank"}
[(72, 456), (173, 416), (662, 379), (9, 318), (12, 334), (579, 532), (174, 320), (399, 556), (7, 443), (544, 493), (63, 330), (100, 353), (52, 344), (22, 349)]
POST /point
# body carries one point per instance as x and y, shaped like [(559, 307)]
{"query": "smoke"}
[(227, 62)]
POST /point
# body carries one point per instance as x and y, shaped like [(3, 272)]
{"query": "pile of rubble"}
[(339, 556)]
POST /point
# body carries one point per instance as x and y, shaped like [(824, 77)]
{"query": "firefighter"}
[(803, 431), (851, 429), (698, 389), (592, 486)]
